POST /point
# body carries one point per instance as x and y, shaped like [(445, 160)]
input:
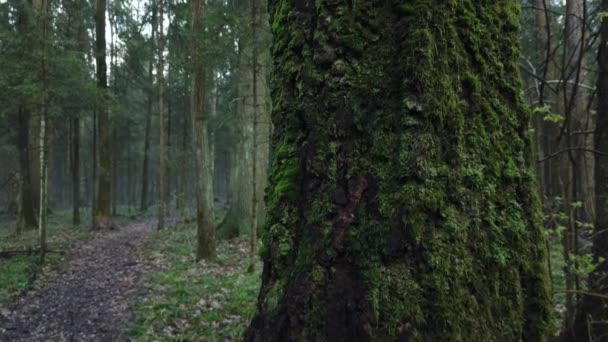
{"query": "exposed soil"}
[(89, 298)]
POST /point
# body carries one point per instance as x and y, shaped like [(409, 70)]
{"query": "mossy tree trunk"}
[(401, 201)]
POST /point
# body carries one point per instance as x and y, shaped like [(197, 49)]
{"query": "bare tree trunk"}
[(42, 222), (26, 207), (102, 215), (592, 315), (33, 145), (168, 161), (161, 120), (181, 191), (146, 162), (144, 184), (254, 147), (576, 114), (26, 215), (202, 159), (41, 11), (76, 171)]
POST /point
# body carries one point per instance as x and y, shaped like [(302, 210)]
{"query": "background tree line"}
[(122, 143)]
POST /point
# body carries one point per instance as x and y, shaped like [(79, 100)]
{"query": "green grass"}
[(190, 301), (17, 273)]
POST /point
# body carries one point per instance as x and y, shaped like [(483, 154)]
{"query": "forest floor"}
[(135, 283), (89, 295)]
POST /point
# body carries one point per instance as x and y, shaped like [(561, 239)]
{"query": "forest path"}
[(89, 299)]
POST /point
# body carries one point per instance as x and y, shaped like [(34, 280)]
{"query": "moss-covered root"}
[(401, 203)]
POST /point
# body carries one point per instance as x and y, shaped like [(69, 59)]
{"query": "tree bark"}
[(26, 212), (253, 152), (41, 12), (593, 309), (402, 204), (206, 248), (261, 120), (102, 217), (27, 206), (161, 120), (145, 182), (76, 171), (576, 119)]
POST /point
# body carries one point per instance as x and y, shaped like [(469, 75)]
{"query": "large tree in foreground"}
[(401, 202)]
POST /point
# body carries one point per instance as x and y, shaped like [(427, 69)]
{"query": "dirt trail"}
[(89, 299)]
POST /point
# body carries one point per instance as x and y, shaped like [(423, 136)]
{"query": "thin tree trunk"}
[(161, 121), (42, 12), (168, 160), (27, 207), (145, 171), (181, 192), (27, 216), (76, 171), (94, 172), (42, 222), (575, 106), (113, 85), (102, 215), (592, 315), (254, 147), (203, 178)]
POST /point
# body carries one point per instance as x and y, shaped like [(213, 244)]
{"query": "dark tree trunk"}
[(145, 171), (102, 217), (76, 171), (594, 308), (161, 122), (206, 248), (26, 215), (144, 184), (26, 212), (401, 202)]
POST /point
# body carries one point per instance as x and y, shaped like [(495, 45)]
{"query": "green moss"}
[(425, 105), (271, 301), (395, 297), (471, 82)]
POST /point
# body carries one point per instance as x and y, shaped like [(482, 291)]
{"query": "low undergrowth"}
[(196, 301), (23, 271)]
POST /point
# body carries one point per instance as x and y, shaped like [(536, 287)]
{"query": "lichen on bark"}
[(401, 200)]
